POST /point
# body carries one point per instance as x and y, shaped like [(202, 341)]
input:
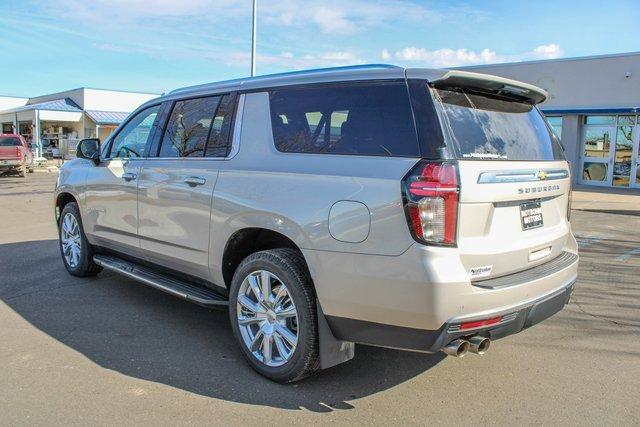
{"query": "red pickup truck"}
[(15, 154)]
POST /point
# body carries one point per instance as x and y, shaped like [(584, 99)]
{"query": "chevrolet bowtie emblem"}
[(542, 175)]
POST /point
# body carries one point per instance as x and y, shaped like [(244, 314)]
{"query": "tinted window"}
[(219, 142), (10, 142), (366, 119), (478, 126), (132, 138), (188, 127)]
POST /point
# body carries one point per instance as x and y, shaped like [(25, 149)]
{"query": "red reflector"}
[(480, 323)]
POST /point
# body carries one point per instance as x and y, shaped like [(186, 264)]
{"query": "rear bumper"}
[(413, 301), (513, 321)]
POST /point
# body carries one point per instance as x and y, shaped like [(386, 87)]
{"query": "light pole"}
[(253, 38)]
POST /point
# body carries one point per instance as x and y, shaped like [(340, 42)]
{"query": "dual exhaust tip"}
[(460, 347)]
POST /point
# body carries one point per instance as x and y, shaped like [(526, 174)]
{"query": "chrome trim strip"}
[(235, 142), (521, 175)]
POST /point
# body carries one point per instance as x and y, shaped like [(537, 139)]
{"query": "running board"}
[(200, 295)]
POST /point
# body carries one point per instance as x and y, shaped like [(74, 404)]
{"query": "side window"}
[(219, 142), (131, 140), (188, 127), (362, 119)]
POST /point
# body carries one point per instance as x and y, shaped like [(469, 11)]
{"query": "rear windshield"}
[(360, 119), (9, 142), (479, 126)]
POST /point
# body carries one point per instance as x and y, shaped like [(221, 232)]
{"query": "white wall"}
[(60, 116), (595, 82), (110, 100), (7, 102)]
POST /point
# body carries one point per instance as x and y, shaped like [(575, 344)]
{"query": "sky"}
[(158, 45)]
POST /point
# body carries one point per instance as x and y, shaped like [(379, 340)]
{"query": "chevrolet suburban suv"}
[(417, 209)]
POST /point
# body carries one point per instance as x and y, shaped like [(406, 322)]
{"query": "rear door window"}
[(481, 126), (188, 127), (358, 119), (219, 143)]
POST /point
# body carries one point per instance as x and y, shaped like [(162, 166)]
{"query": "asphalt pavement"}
[(109, 351)]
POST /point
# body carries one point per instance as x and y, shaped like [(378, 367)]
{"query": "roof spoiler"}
[(489, 83)]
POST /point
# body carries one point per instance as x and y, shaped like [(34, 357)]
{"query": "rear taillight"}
[(431, 192), (18, 152)]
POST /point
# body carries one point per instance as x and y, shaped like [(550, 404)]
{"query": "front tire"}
[(77, 254), (273, 315)]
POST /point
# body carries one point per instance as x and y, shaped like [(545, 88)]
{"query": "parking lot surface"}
[(108, 350)]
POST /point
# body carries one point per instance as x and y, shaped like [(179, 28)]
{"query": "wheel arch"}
[(248, 240), (63, 198)]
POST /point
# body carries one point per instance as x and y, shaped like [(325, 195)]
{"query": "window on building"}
[(359, 119), (188, 127), (132, 139), (556, 124), (600, 120), (609, 138)]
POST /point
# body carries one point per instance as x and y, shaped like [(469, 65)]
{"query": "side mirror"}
[(89, 149)]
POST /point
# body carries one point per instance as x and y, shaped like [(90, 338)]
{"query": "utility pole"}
[(253, 38)]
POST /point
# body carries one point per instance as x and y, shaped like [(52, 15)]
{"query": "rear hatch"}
[(514, 183)]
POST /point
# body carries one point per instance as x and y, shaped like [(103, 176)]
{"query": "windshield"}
[(9, 142), (481, 126)]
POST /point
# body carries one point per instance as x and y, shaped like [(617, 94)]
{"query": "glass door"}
[(598, 132), (635, 162), (624, 151)]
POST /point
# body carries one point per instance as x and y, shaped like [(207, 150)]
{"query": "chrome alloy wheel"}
[(70, 240), (267, 318)]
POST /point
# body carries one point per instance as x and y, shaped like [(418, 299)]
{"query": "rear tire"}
[(77, 254), (278, 335)]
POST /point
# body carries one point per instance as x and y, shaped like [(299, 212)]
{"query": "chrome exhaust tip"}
[(479, 345), (457, 348)]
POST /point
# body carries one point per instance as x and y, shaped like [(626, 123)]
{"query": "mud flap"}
[(332, 350)]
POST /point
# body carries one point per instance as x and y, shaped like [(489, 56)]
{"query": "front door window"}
[(133, 137)]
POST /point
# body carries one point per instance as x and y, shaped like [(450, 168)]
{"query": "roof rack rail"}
[(288, 73)]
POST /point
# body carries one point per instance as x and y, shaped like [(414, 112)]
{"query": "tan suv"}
[(417, 209)]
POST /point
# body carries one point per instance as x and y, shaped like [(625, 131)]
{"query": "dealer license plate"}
[(531, 215)]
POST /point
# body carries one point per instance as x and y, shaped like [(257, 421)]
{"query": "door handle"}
[(129, 176), (194, 180)]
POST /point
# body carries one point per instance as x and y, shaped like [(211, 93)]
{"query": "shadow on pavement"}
[(143, 333)]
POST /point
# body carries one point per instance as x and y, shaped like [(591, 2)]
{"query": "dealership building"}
[(594, 106), (59, 120)]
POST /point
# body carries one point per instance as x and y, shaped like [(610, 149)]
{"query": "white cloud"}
[(446, 57), (442, 58), (547, 51), (340, 17), (333, 21), (288, 60)]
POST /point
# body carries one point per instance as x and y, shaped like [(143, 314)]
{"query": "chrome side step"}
[(188, 291)]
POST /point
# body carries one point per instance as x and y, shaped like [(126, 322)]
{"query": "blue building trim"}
[(584, 111)]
